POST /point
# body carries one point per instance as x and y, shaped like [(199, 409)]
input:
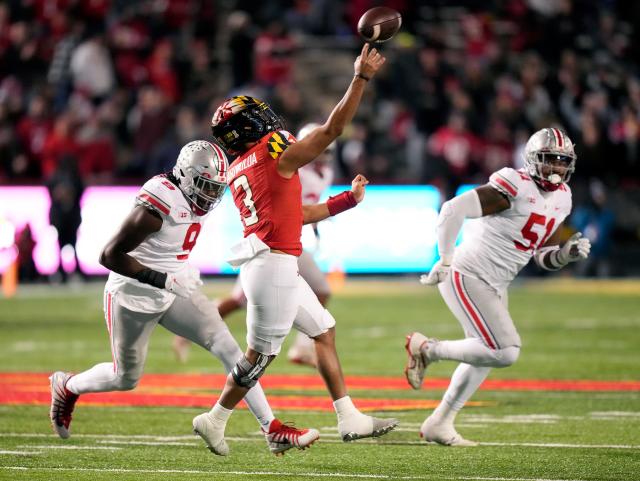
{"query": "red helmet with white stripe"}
[(549, 158), (201, 170)]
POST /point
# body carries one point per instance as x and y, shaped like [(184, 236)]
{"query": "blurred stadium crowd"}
[(107, 91)]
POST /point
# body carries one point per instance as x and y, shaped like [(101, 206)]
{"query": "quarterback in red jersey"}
[(266, 189)]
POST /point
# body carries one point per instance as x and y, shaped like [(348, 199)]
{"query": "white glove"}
[(183, 283), (575, 249), (438, 274)]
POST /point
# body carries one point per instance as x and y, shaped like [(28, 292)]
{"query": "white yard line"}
[(20, 453), (158, 443), (330, 438), (334, 439), (108, 436), (563, 445), (615, 414), (56, 446), (275, 473)]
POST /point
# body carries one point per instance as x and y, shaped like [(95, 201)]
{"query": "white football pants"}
[(491, 336), (310, 272), (278, 298), (196, 319)]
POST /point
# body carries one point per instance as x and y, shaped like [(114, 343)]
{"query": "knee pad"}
[(507, 356), (246, 374)]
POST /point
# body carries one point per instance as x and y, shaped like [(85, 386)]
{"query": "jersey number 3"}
[(243, 182), (531, 236)]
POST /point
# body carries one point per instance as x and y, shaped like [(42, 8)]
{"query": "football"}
[(379, 24)]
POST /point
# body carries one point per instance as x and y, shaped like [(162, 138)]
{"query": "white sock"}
[(220, 414), (225, 348), (259, 406), (100, 378), (344, 407), (444, 413), (350, 419), (471, 351), (465, 381)]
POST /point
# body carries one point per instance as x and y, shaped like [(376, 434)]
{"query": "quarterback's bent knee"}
[(507, 356), (246, 374)]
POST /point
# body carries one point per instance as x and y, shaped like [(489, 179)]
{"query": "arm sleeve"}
[(452, 215)]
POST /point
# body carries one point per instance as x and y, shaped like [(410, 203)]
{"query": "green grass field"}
[(570, 330)]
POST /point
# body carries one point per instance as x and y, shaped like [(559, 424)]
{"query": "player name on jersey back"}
[(242, 165)]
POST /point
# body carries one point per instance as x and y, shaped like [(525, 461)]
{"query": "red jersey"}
[(270, 205)]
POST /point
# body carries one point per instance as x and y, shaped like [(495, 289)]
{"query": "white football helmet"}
[(201, 170), (306, 130), (549, 158)]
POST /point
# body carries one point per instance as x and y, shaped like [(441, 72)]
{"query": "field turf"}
[(585, 331)]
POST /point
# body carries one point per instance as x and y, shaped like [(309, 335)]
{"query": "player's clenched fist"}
[(575, 249), (358, 187), (183, 283), (438, 274), (368, 62)]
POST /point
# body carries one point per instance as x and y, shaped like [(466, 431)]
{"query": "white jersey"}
[(315, 178), (165, 251), (500, 245)]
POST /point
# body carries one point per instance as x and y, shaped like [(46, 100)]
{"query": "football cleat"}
[(417, 362), (62, 403), (282, 437), (303, 355), (442, 433), (365, 427), (212, 433)]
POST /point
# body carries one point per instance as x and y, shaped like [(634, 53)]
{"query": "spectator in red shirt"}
[(274, 50), (59, 143), (33, 130), (162, 72), (453, 152), (497, 151)]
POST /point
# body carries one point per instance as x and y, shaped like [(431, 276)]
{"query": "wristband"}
[(341, 202), (364, 77), (151, 277)]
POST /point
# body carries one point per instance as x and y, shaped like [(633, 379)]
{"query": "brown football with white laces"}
[(379, 24)]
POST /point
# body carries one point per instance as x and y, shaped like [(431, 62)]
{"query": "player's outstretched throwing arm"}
[(338, 203), (139, 224), (311, 146)]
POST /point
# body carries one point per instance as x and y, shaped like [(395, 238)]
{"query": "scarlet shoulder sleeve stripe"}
[(148, 198), (503, 184)]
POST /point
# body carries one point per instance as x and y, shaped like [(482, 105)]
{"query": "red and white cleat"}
[(62, 403), (416, 362), (282, 437)]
